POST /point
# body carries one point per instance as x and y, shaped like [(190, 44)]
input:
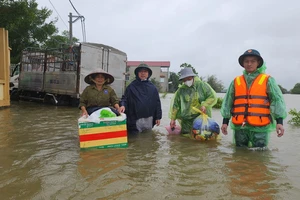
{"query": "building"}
[(160, 72)]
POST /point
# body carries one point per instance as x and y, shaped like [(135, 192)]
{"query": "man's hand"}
[(84, 112), (172, 123), (157, 122), (224, 129), (203, 109), (121, 109), (279, 130)]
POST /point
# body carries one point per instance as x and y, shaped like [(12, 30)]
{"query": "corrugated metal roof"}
[(107, 47), (149, 63)]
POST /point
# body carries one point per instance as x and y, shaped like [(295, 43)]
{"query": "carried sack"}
[(173, 131), (205, 128)]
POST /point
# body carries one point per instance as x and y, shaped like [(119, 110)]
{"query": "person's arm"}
[(83, 101), (123, 102), (277, 105), (174, 107), (226, 107), (158, 106), (114, 99), (211, 96)]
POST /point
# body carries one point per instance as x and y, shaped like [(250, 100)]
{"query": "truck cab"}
[(14, 78)]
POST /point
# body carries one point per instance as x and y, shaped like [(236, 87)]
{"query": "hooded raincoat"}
[(141, 100), (185, 98), (277, 108)]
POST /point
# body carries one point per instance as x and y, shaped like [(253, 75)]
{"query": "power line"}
[(83, 29), (82, 22), (58, 14), (74, 8)]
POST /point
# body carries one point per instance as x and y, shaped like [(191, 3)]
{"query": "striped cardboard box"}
[(106, 134)]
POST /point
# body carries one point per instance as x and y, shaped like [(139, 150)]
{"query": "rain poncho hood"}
[(277, 104), (185, 98)]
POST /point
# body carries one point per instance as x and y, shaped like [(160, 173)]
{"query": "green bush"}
[(295, 117), (219, 103)]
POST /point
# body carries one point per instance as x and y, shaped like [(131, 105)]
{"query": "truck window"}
[(15, 70)]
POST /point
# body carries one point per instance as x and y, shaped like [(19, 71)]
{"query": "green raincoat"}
[(277, 108), (199, 94)]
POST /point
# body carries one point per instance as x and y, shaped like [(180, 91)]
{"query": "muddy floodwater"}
[(40, 159)]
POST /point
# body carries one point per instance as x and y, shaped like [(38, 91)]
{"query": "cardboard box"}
[(108, 133)]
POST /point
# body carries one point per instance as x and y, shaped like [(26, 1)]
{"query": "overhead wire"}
[(58, 14), (82, 22), (83, 29), (74, 8)]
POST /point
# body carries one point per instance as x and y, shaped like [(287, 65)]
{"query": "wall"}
[(4, 68)]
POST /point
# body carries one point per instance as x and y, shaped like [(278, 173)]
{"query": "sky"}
[(208, 34)]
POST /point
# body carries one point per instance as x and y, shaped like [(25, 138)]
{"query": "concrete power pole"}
[(71, 26)]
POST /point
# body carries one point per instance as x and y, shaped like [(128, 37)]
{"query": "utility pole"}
[(71, 26)]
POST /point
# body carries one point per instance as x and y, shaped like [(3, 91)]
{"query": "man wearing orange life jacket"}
[(254, 102)]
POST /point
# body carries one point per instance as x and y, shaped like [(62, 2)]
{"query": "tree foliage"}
[(26, 25), (296, 89), (156, 83), (295, 120), (216, 84), (174, 80), (283, 90), (219, 103), (57, 41), (212, 80)]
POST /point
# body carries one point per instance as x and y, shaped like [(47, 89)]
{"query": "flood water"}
[(40, 158)]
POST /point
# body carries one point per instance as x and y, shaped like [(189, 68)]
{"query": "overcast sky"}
[(208, 34)]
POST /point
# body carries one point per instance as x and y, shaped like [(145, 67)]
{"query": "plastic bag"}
[(173, 131), (106, 113), (205, 128), (96, 116)]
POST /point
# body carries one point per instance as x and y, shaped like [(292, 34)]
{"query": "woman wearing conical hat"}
[(98, 94)]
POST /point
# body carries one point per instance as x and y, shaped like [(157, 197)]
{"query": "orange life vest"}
[(251, 105)]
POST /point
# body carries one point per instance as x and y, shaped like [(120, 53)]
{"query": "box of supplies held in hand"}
[(102, 133)]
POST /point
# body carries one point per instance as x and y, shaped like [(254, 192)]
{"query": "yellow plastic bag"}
[(205, 128)]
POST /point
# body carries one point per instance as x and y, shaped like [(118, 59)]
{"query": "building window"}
[(127, 77), (164, 69), (162, 79)]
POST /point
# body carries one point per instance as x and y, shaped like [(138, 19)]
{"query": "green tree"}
[(283, 90), (156, 83), (295, 120), (174, 80), (57, 41), (216, 84), (184, 65), (296, 89), (26, 25)]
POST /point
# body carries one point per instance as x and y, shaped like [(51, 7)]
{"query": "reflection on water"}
[(251, 177), (40, 159)]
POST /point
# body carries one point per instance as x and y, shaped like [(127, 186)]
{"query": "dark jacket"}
[(141, 100)]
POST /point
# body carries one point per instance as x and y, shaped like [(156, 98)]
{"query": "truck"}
[(56, 76)]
